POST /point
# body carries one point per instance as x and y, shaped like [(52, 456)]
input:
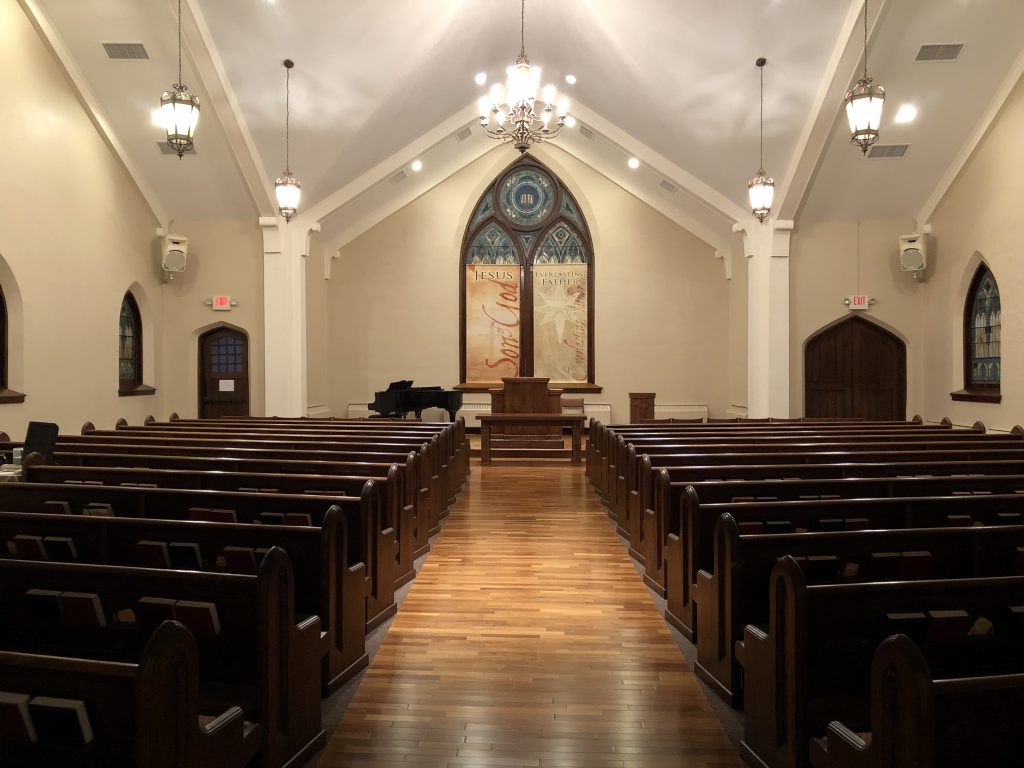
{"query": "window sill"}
[(10, 396), (136, 390), (977, 396)]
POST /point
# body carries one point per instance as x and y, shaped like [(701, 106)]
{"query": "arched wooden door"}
[(223, 373), (855, 368)]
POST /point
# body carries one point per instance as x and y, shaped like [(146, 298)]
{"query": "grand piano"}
[(401, 397)]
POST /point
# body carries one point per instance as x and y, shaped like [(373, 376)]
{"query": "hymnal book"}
[(151, 611), (239, 560), (222, 516), (153, 554), (29, 547), (15, 720), (60, 721), (82, 609), (272, 518), (185, 555), (56, 508), (60, 548), (98, 510), (43, 606), (199, 617), (297, 518), (197, 513), (948, 626)]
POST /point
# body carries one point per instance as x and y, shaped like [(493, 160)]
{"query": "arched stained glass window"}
[(527, 279), (129, 344), (982, 326)]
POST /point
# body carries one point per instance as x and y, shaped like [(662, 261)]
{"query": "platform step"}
[(526, 453)]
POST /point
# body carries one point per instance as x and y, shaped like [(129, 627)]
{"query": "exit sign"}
[(222, 303), (858, 301)]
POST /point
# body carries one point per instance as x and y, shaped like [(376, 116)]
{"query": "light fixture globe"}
[(761, 191), (179, 114), (288, 191), (864, 111)]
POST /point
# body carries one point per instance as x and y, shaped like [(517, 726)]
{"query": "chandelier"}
[(761, 188), (513, 113), (287, 188), (179, 109), (864, 103)]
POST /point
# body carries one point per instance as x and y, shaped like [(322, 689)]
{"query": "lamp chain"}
[(865, 39), (287, 120), (179, 42), (762, 118), (522, 29)]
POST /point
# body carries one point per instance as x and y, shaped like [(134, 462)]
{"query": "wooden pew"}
[(690, 548), (735, 592), (918, 721), (390, 486), (811, 664), (259, 657), (144, 713), (329, 563), (364, 514)]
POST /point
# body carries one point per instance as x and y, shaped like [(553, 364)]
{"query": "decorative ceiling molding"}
[(842, 69), (984, 125), (225, 106), (90, 104)]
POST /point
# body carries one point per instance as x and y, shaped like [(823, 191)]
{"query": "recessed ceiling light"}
[(634, 163), (570, 121), (906, 114), (481, 78), (570, 79), (417, 165)]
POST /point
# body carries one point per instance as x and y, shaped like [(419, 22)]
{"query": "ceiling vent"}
[(167, 149), (126, 51), (398, 178), (668, 186), (940, 52), (879, 151), (463, 133), (586, 133)]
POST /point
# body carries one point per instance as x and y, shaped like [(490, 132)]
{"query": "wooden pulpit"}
[(526, 394)]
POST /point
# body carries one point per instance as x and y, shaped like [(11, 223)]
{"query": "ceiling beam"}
[(90, 103), (981, 129), (842, 69)]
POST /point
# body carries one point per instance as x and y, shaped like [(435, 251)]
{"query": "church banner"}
[(492, 322), (560, 322)]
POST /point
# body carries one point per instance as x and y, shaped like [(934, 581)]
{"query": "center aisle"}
[(528, 639)]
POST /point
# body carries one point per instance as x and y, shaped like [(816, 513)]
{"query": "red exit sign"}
[(222, 303), (858, 301)]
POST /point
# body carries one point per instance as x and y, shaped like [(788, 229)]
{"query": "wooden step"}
[(526, 453)]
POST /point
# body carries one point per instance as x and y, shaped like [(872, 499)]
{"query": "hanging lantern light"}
[(864, 103), (179, 109), (287, 187), (761, 188)]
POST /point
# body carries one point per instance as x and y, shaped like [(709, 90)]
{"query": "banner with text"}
[(560, 322), (492, 322)]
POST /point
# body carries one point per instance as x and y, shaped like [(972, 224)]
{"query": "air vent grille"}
[(668, 186), (586, 133), (165, 149), (398, 178), (879, 151), (126, 51), (463, 133), (940, 52)]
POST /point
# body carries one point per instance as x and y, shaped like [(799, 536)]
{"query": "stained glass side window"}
[(129, 343), (492, 246), (226, 355), (561, 246), (983, 322)]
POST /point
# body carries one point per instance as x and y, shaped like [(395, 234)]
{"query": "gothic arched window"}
[(129, 336), (526, 277), (982, 346)]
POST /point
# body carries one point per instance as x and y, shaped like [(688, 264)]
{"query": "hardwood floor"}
[(529, 640)]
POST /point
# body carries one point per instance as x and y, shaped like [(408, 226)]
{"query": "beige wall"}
[(224, 257), (738, 332), (75, 234), (825, 268), (662, 301), (979, 218)]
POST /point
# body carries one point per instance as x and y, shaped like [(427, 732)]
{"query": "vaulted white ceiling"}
[(377, 84)]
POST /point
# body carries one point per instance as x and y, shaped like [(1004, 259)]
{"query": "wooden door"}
[(223, 373), (855, 368)]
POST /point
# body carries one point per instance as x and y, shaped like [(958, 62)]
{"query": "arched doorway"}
[(855, 368), (223, 373)]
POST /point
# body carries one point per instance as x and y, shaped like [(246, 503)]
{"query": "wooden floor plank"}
[(528, 639)]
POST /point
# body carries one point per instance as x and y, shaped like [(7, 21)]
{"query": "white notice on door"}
[(226, 385)]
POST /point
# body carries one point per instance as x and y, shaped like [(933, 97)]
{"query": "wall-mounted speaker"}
[(175, 253), (913, 255)]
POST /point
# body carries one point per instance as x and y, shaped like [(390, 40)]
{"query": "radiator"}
[(681, 411), (318, 410)]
